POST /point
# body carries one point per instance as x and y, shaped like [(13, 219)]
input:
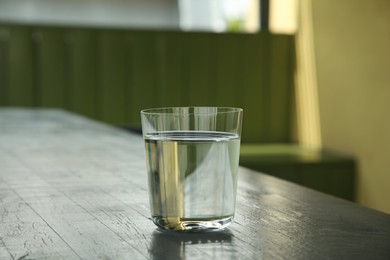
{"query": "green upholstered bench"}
[(324, 171), (111, 74)]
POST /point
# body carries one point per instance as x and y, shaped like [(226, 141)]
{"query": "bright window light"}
[(283, 16)]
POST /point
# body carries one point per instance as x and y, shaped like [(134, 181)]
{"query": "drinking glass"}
[(192, 156)]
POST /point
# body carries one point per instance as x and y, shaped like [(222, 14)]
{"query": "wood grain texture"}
[(72, 188)]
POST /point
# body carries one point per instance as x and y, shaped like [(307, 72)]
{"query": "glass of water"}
[(192, 158)]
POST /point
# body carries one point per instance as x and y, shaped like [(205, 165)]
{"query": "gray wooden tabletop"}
[(73, 188)]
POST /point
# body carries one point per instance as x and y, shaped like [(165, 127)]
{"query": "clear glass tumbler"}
[(192, 158)]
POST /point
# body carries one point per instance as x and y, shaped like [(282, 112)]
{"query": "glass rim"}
[(170, 110)]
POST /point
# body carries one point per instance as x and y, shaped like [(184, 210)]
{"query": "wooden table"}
[(74, 188)]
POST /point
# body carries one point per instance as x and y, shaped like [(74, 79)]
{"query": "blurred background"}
[(312, 76)]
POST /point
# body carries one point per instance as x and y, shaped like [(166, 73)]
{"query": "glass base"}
[(192, 224)]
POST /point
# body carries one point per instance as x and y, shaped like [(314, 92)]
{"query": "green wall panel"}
[(4, 47), (170, 78), (227, 70), (82, 89), (199, 63), (280, 94), (254, 87), (111, 76), (144, 70), (21, 79), (50, 55)]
